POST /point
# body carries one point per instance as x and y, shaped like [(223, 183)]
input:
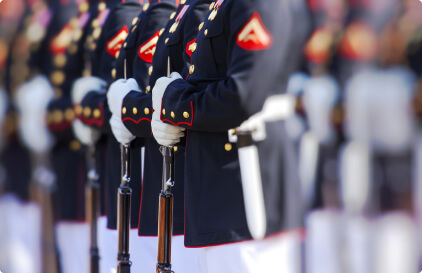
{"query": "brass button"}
[(77, 35), (182, 2), (97, 113), (173, 27), (146, 6), (135, 110), (69, 114), (185, 114), (102, 6), (73, 48), (167, 40), (124, 44), (146, 111), (74, 145), (95, 23), (133, 28), (164, 112), (83, 7), (191, 69), (172, 114), (124, 110), (57, 77), (193, 47), (150, 70), (78, 110), (148, 89), (175, 148), (212, 5), (60, 60), (172, 15), (212, 15), (93, 46), (113, 73), (201, 25), (228, 147), (57, 116), (134, 21), (161, 31), (96, 33), (206, 32), (87, 111), (117, 54)]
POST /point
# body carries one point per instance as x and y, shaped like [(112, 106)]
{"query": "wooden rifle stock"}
[(165, 212), (42, 191), (123, 213), (92, 209)]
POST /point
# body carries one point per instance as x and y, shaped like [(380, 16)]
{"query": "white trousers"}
[(278, 253)]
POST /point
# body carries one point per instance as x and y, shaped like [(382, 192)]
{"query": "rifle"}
[(165, 207), (123, 213), (92, 209), (42, 189), (165, 212)]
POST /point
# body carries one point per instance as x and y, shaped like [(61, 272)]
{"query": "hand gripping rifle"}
[(92, 208), (165, 209), (124, 196)]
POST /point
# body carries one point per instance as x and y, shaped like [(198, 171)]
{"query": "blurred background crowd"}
[(354, 133)]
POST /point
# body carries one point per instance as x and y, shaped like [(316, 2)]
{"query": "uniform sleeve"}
[(137, 113), (256, 64)]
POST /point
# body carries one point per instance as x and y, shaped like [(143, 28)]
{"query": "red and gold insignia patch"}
[(115, 44), (62, 40), (359, 43), (254, 35), (147, 49), (191, 47)]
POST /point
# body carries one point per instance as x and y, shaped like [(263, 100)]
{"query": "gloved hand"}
[(165, 134), (116, 93), (80, 88), (84, 85), (32, 99)]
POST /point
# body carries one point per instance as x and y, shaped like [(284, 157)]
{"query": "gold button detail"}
[(201, 25), (172, 15), (83, 7), (228, 147), (60, 60), (117, 54), (206, 32), (182, 2), (172, 114), (175, 148), (173, 27), (146, 111), (124, 44), (113, 73), (191, 69), (74, 145), (87, 111), (148, 89), (133, 28), (185, 114), (57, 116), (124, 110), (69, 114), (95, 23), (212, 5), (97, 113), (193, 47), (102, 6), (135, 110), (161, 31), (212, 15), (93, 46), (150, 70), (96, 33), (164, 112), (146, 6), (167, 40), (78, 110), (77, 35), (57, 77), (73, 48), (134, 21)]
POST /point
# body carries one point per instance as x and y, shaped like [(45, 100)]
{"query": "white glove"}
[(117, 92), (84, 85), (120, 132), (85, 134), (32, 99), (115, 95), (165, 134)]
